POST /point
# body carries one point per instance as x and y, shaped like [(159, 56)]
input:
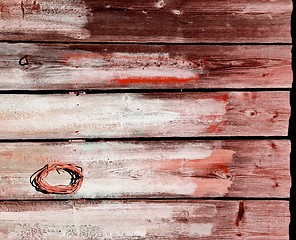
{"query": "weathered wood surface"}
[(206, 220), (125, 169), (60, 67), (146, 21), (144, 115), (151, 169)]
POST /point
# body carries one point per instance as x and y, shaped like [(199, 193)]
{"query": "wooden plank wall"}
[(170, 118)]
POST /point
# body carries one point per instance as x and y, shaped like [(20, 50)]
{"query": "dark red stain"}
[(23, 9), (265, 74), (3, 9), (273, 145), (241, 213), (36, 6)]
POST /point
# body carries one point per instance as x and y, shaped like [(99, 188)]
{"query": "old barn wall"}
[(175, 112)]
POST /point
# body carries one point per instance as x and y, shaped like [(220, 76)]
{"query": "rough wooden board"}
[(144, 115), (146, 21), (60, 67), (151, 169), (205, 220)]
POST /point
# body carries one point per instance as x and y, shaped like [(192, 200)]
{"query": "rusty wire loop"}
[(37, 179)]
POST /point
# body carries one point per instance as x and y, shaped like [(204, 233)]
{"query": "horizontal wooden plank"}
[(146, 21), (144, 115), (60, 67), (151, 169), (206, 220)]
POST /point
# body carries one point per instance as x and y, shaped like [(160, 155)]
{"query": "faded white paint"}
[(112, 220), (145, 186), (123, 169), (106, 115), (100, 70), (65, 17), (147, 220), (150, 168), (111, 75), (176, 11), (59, 67)]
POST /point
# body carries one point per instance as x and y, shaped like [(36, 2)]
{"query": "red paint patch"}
[(214, 128), (254, 95), (155, 80), (6, 154), (222, 97), (217, 161)]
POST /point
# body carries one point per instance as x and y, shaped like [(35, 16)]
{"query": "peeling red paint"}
[(214, 128), (222, 97), (203, 168), (135, 69), (155, 80), (254, 95)]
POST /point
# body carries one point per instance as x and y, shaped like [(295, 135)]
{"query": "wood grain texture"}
[(144, 115), (66, 50), (61, 67), (205, 220), (151, 169), (146, 21)]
